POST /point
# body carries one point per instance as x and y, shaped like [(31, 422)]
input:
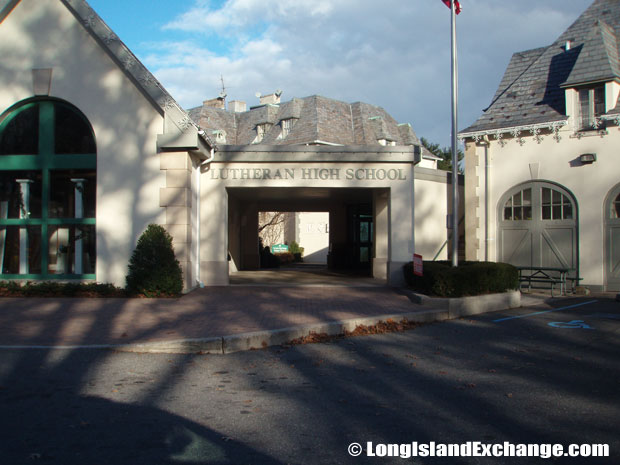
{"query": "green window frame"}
[(45, 165)]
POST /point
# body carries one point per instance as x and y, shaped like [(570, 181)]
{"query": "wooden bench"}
[(545, 275)]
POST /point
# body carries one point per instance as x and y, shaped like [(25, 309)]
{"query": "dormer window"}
[(386, 142), (287, 125), (261, 130), (591, 105), (220, 136)]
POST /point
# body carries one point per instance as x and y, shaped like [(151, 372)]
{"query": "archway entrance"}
[(537, 226), (351, 232), (612, 240)]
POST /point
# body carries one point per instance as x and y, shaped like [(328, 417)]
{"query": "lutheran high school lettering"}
[(321, 174)]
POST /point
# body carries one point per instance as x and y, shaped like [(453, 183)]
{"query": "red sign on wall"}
[(417, 265)]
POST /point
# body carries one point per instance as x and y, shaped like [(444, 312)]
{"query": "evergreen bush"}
[(469, 278), (297, 251), (59, 289), (153, 267)]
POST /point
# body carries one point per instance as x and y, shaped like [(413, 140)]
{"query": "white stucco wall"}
[(556, 162), (45, 34), (432, 192), (313, 235), (214, 205)]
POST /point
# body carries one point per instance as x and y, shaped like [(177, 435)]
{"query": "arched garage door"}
[(612, 236), (538, 226)]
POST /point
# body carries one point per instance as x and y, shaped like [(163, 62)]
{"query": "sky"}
[(390, 53)]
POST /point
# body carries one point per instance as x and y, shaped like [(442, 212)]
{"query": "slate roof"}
[(532, 90), (316, 120)]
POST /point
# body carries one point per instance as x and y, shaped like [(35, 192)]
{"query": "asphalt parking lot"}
[(547, 374)]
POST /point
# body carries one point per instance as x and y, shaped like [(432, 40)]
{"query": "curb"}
[(474, 305), (443, 309)]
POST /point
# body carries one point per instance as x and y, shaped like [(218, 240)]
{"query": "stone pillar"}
[(381, 241), (249, 238), (472, 202), (24, 212), (78, 266), (176, 198)]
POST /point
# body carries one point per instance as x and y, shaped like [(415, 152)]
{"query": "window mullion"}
[(46, 152)]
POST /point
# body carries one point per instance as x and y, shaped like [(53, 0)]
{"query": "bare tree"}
[(271, 227)]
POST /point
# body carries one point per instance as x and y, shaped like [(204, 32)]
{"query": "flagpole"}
[(455, 172)]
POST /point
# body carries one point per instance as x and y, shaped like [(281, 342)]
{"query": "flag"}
[(457, 5)]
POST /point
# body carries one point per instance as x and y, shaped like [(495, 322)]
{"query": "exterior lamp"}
[(587, 158)]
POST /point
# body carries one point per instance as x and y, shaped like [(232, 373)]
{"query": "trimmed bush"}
[(153, 268), (58, 289), (469, 278)]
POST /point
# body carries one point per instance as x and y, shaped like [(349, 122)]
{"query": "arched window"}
[(519, 206), (551, 204), (47, 192)]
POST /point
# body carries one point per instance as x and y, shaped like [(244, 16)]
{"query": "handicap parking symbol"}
[(575, 324)]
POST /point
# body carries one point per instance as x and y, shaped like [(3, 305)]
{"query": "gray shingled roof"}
[(533, 87), (316, 120)]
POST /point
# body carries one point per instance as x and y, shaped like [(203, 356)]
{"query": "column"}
[(78, 256), (24, 213)]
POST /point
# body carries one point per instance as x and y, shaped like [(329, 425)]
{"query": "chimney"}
[(219, 102), (237, 106), (271, 98)]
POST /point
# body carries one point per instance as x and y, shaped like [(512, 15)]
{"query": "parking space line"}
[(546, 311)]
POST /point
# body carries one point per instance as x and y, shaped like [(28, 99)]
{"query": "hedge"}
[(469, 278)]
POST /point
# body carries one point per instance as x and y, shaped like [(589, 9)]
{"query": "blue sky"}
[(391, 53)]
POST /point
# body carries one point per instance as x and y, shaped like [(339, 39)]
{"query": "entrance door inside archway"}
[(345, 216), (612, 240), (538, 227)]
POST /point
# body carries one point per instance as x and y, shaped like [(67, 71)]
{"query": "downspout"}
[(198, 196), (487, 173)]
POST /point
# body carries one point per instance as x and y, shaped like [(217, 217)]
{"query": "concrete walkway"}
[(203, 313), (259, 309)]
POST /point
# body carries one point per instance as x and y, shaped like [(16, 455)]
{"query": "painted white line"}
[(546, 311)]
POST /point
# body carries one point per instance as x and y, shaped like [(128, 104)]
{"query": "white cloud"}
[(235, 14), (391, 53)]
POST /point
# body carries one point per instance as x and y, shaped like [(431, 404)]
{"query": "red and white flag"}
[(457, 5)]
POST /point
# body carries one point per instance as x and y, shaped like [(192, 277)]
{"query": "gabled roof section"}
[(598, 57), (532, 92), (132, 67)]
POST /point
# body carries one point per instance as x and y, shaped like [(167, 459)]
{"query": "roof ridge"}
[(525, 70), (131, 65)]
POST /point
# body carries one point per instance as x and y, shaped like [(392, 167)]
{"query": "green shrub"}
[(294, 248), (58, 289), (297, 251), (469, 278), (153, 267)]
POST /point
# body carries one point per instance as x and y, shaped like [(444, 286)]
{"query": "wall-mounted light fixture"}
[(587, 158)]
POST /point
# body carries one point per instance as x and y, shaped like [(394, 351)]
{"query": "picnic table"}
[(546, 275)]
